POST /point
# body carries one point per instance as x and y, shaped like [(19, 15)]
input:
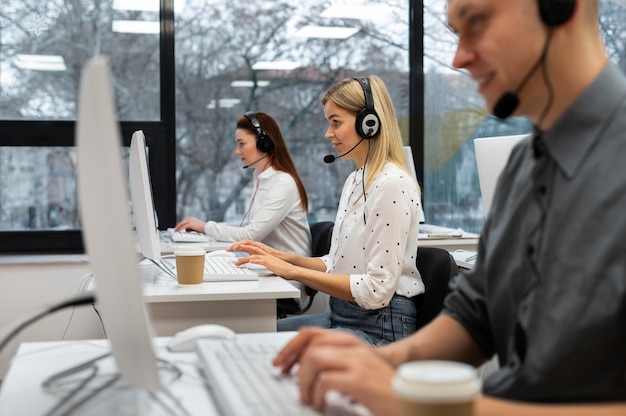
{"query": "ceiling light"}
[(223, 103), (145, 5), (40, 62), (248, 84), (136, 26), (326, 32), (275, 65)]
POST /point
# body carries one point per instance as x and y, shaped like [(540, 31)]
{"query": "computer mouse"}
[(184, 341)]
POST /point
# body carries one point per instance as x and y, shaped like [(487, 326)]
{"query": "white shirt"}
[(379, 255), (275, 217)]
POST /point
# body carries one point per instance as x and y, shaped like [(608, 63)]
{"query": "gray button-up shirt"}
[(548, 291)]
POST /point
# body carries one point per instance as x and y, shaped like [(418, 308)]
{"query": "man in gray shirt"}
[(548, 291)]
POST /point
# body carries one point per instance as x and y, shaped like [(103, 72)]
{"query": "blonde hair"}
[(387, 145)]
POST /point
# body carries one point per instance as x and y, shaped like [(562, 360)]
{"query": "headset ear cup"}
[(556, 12), (367, 124), (265, 144)]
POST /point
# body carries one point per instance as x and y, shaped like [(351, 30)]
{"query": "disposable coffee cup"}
[(189, 265), (436, 388)]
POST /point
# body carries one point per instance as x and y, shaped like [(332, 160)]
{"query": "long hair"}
[(280, 158), (387, 145)]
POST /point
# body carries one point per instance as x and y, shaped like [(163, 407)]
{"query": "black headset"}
[(556, 12), (367, 121), (263, 142)]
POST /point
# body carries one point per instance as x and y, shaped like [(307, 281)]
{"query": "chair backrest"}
[(321, 233), (437, 267)]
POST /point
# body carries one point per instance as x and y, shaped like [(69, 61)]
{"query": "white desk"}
[(242, 306), (22, 393), (450, 244), (447, 238), (464, 259)]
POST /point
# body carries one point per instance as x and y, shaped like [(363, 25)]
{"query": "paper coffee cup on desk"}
[(189, 265), (436, 388)]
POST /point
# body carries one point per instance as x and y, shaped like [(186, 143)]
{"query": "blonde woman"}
[(370, 272)]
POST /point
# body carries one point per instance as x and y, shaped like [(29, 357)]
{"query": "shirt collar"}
[(265, 174), (582, 124)]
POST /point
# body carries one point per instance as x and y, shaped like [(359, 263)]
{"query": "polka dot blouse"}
[(375, 238)]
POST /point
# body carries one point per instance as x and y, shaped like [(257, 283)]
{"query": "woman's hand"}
[(190, 224), (277, 266), (254, 247)]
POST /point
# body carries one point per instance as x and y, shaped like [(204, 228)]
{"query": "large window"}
[(230, 57), (277, 57), (186, 70), (454, 115)]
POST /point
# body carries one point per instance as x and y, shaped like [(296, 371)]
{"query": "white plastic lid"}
[(189, 251), (436, 381)]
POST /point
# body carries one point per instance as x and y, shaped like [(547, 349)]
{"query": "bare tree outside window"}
[(219, 48)]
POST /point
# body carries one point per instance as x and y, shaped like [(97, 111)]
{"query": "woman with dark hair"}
[(277, 214)]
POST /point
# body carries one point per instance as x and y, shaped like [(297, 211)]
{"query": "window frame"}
[(161, 140)]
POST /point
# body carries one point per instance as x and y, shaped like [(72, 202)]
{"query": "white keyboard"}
[(223, 269), (243, 381), (187, 236)]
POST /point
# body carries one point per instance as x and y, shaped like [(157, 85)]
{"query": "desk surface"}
[(23, 393), (159, 287), (464, 259), (450, 244)]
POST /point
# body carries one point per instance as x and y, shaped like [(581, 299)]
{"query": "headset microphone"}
[(332, 158), (255, 162), (329, 158)]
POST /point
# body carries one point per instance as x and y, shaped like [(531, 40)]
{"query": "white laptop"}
[(492, 153)]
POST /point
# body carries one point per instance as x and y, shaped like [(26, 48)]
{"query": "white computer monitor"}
[(106, 228), (408, 154), (142, 202), (141, 198), (492, 153)]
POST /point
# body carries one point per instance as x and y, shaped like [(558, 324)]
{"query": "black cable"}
[(363, 180), (548, 83), (87, 298)]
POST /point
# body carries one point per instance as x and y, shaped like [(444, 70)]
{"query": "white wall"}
[(28, 283)]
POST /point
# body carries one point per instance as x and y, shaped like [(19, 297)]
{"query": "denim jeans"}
[(377, 327)]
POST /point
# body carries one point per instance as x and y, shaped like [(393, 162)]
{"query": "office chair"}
[(321, 233), (437, 267)]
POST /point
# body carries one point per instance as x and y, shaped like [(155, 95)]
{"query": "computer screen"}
[(410, 161), (142, 203), (103, 205), (141, 198), (492, 153)]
